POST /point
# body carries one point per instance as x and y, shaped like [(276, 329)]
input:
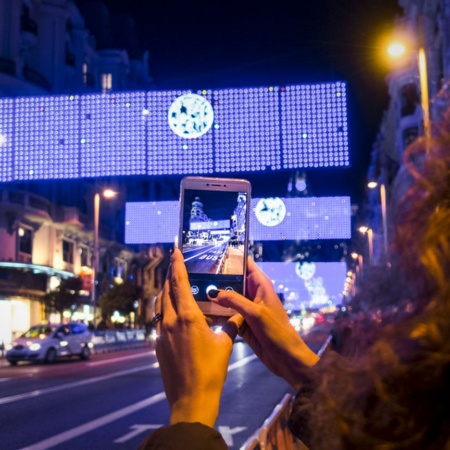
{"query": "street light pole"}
[(372, 185), (397, 50), (425, 103), (95, 256), (369, 232), (384, 219), (107, 193)]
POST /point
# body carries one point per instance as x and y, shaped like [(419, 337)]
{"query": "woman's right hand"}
[(268, 330)]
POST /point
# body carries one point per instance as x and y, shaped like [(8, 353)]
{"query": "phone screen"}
[(214, 239)]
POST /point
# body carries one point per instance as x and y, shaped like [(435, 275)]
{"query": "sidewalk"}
[(233, 260)]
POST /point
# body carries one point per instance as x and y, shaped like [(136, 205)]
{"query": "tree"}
[(120, 297), (65, 297)]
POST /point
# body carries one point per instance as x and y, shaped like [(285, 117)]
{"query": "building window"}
[(409, 99), (25, 240), (106, 82), (67, 251), (84, 256)]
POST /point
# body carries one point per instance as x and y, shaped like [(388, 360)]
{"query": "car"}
[(46, 343)]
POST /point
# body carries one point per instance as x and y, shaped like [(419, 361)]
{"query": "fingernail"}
[(171, 251), (213, 293)]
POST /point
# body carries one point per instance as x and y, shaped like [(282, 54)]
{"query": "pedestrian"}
[(103, 324), (392, 393)]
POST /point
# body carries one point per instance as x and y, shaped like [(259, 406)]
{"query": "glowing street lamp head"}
[(354, 255), (109, 193), (396, 49), (363, 229), (372, 184)]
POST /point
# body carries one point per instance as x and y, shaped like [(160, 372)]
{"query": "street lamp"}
[(107, 193), (369, 232), (373, 185), (397, 50), (359, 269)]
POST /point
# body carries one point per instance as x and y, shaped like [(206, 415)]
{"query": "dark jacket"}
[(184, 436)]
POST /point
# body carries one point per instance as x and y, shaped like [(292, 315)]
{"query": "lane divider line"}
[(101, 421), (63, 387), (124, 358)]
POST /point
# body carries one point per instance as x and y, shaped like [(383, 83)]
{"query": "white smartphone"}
[(213, 237)]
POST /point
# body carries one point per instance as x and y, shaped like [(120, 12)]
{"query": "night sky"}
[(199, 44)]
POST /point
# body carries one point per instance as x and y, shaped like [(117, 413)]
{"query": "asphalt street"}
[(116, 399)]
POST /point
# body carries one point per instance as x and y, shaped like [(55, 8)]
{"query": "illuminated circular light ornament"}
[(190, 116), (270, 211), (305, 270)]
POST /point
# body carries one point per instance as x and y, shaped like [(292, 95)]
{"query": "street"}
[(116, 399), (203, 259)]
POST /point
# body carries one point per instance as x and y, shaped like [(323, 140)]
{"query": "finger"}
[(157, 309), (232, 299), (168, 308), (257, 280), (180, 287), (231, 327)]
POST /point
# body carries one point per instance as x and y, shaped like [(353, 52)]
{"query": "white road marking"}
[(92, 425), (101, 421), (124, 358), (227, 434), (63, 387)]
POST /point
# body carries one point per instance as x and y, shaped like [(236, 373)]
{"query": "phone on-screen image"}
[(213, 236)]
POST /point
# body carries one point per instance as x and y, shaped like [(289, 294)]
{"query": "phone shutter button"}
[(210, 287)]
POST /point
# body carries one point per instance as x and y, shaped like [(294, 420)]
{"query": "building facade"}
[(424, 25), (46, 48)]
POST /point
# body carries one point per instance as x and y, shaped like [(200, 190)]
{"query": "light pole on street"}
[(397, 50), (369, 232), (107, 193), (373, 185), (359, 271)]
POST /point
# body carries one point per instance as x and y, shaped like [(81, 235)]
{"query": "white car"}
[(48, 342)]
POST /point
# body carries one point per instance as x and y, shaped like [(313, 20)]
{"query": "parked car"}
[(45, 343)]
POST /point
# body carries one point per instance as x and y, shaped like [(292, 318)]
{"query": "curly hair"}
[(394, 393)]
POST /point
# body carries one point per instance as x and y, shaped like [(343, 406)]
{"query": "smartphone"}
[(213, 237)]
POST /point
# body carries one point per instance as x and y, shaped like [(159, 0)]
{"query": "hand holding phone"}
[(213, 237)]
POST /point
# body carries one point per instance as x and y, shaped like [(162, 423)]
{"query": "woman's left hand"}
[(193, 359)]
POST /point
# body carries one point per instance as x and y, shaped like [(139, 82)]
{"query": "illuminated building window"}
[(67, 247), (106, 82), (85, 72), (25, 240)]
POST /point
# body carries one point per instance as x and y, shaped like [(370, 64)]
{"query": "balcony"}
[(71, 217), (32, 207)]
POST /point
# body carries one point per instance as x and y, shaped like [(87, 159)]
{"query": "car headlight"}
[(63, 343), (35, 347)]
